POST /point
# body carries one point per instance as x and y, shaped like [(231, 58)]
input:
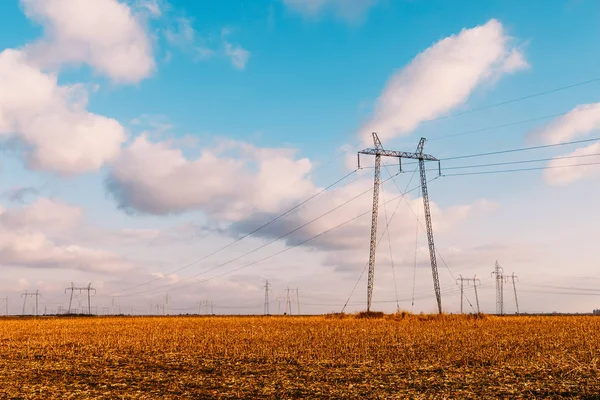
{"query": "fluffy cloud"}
[(227, 182), (50, 122), (441, 78), (237, 54), (25, 240), (101, 33), (563, 171), (43, 214), (349, 10), (578, 122)]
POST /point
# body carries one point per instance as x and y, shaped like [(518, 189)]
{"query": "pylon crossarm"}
[(399, 154)]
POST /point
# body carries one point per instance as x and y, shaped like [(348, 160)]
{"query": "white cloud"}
[(237, 54), (50, 122), (564, 171), (227, 182), (44, 214), (441, 78), (154, 7), (25, 240), (183, 35), (580, 121), (346, 9), (101, 33)]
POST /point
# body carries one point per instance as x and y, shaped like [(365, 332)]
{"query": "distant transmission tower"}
[(279, 300), (288, 302), (166, 306), (298, 299), (267, 288), (475, 283), (378, 151), (462, 296), (87, 289), (513, 276), (500, 278), (25, 295)]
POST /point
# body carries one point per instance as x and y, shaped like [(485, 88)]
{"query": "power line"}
[(382, 235), (255, 249), (522, 149), (472, 110), (491, 128), (522, 161), (521, 169), (270, 256), (538, 94), (244, 236)]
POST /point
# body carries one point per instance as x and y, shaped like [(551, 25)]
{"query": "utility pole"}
[(25, 295), (267, 286), (513, 276), (87, 289), (461, 279), (378, 151), (500, 278), (298, 299), (166, 306), (279, 300), (288, 302), (468, 280), (206, 305), (475, 283)]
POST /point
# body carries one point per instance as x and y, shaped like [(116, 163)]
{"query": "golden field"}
[(300, 357)]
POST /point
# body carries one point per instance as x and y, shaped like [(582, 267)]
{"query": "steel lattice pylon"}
[(378, 151), (499, 272)]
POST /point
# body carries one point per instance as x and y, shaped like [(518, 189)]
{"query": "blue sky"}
[(274, 90)]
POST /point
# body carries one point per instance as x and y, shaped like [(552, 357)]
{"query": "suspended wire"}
[(387, 222), (412, 305), (246, 235), (473, 110), (521, 161), (424, 229), (522, 149), (260, 247), (161, 288), (491, 128), (291, 247), (561, 287), (522, 169), (385, 230), (518, 99)]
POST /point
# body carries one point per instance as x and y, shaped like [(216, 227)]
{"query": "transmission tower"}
[(288, 302), (476, 282), (462, 296), (513, 276), (267, 288), (378, 151), (166, 306), (279, 300), (298, 299), (500, 278), (206, 305), (87, 289), (25, 295)]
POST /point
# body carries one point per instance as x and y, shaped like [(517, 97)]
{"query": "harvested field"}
[(300, 357)]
